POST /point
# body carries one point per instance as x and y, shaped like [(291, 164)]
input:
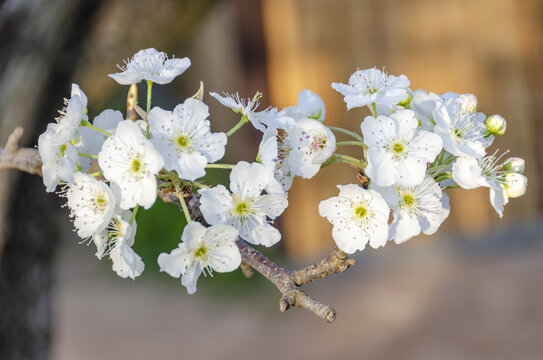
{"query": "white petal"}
[(175, 262), (404, 227), (247, 180), (190, 277), (215, 204), (264, 234)]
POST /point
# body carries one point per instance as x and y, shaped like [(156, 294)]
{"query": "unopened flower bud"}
[(514, 164), (469, 102), (496, 124), (515, 184), (405, 103)]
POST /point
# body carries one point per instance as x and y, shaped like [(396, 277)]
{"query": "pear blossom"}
[(310, 105), (116, 240), (398, 152), (91, 204), (152, 65), (358, 217), (59, 157), (130, 162), (184, 139), (470, 173), (373, 86), (56, 145), (245, 208), (422, 207), (461, 129), (202, 249), (273, 152), (298, 151)]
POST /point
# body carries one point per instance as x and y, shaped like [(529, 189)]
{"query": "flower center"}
[(101, 202), (409, 199), (458, 133), (183, 141), (398, 148), (200, 252), (136, 165), (242, 208), (360, 212)]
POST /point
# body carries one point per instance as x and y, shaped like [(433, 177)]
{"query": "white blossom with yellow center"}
[(202, 249), (184, 138), (245, 208), (131, 162), (398, 151), (358, 217), (416, 209)]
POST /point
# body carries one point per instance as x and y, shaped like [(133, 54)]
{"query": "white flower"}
[(245, 208), (245, 107), (91, 203), (310, 143), (461, 129), (418, 208), (373, 86), (183, 137), (310, 105), (56, 145), (58, 155), (131, 162), (74, 112), (398, 151), (359, 217), (273, 152), (116, 240), (471, 173), (212, 248), (153, 65)]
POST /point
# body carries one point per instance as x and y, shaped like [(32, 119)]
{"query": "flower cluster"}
[(415, 146), (418, 145)]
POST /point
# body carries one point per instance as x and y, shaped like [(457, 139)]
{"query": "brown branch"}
[(286, 281), (336, 262), (23, 159), (28, 160)]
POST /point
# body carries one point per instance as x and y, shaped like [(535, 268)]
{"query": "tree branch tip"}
[(285, 303), (330, 316)]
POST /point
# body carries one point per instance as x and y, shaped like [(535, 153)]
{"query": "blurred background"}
[(473, 291)]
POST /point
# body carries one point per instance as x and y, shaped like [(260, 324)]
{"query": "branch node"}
[(246, 269)]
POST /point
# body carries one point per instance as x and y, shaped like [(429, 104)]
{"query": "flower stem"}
[(219, 166), (149, 95), (374, 107), (165, 184), (134, 212), (89, 125), (354, 143), (345, 159), (175, 181), (347, 132), (98, 173), (87, 155), (242, 122), (451, 187), (443, 176)]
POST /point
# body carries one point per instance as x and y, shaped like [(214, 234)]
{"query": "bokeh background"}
[(473, 291)]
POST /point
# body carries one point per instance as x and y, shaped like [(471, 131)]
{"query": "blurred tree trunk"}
[(39, 46)]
